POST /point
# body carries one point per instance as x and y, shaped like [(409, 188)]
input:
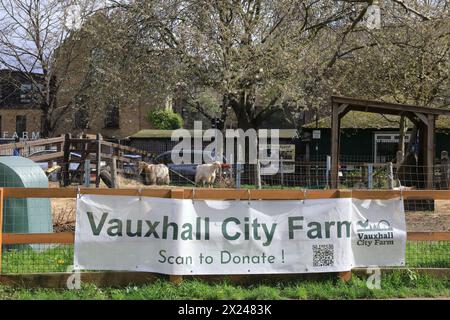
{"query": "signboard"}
[(174, 236)]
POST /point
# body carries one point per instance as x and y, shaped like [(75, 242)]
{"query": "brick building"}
[(20, 116)]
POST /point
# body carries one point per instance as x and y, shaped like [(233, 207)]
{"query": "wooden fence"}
[(66, 150), (208, 194), (28, 148), (96, 151)]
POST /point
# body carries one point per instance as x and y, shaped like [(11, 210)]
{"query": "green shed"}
[(27, 215)]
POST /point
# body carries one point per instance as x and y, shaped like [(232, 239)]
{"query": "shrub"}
[(165, 119)]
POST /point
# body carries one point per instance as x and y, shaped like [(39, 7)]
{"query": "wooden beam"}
[(35, 238), (345, 276), (335, 131), (32, 143), (407, 194), (343, 110), (422, 118), (395, 108), (428, 236), (72, 192), (47, 157), (430, 152), (66, 160), (69, 237), (227, 194), (254, 194)]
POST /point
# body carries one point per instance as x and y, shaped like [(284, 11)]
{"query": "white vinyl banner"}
[(183, 237)]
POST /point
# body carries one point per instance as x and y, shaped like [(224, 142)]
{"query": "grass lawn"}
[(399, 284), (425, 254), (395, 285)]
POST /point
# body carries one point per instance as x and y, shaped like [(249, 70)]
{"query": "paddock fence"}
[(40, 254)]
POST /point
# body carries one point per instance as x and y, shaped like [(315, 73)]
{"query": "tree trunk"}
[(46, 129)]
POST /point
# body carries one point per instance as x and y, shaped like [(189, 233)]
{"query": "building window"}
[(25, 92), (21, 125), (81, 119), (112, 116)]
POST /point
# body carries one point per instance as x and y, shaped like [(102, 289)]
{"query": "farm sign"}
[(179, 236)]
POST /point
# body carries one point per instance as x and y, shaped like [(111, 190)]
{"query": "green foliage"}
[(165, 119)]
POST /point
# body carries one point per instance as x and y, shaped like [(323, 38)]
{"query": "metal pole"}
[(114, 172), (444, 170), (87, 173), (327, 174), (370, 176), (238, 175), (281, 172), (258, 175)]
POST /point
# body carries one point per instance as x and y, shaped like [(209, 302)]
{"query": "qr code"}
[(323, 255)]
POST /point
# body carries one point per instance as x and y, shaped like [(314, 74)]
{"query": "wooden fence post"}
[(176, 194), (114, 172), (87, 173), (444, 168), (345, 275), (66, 162), (99, 160)]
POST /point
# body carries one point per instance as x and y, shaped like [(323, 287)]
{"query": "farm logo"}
[(377, 233)]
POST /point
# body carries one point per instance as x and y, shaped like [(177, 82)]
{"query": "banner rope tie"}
[(79, 192)]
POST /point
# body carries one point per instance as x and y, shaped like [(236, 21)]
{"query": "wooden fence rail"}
[(230, 194), (69, 237)]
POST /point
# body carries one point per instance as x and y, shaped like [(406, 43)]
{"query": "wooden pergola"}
[(423, 117)]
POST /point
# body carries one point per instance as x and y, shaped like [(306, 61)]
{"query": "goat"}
[(154, 173), (206, 173), (149, 172), (162, 174)]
